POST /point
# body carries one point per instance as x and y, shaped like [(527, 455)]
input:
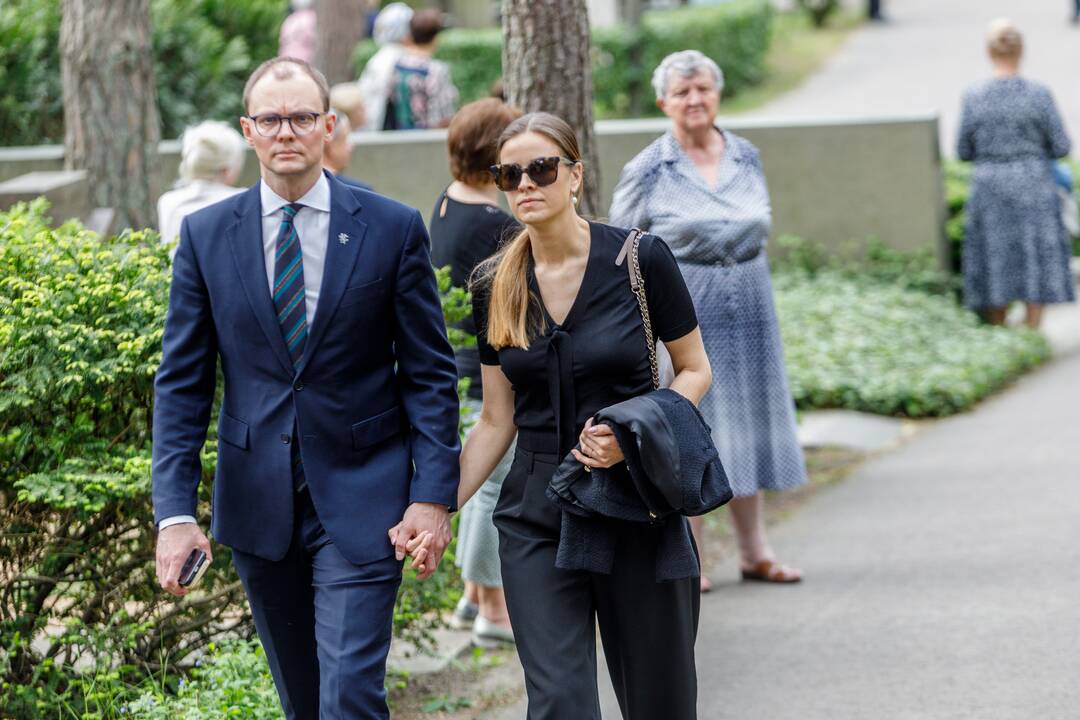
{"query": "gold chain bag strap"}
[(637, 284)]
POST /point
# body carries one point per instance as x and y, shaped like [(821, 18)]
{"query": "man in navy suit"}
[(340, 412)]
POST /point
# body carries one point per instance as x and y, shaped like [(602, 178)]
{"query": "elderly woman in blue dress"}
[(1016, 246), (702, 189)]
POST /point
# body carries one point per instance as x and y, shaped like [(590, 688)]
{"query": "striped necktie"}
[(289, 296)]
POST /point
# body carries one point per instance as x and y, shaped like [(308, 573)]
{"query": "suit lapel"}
[(346, 237), (245, 238)]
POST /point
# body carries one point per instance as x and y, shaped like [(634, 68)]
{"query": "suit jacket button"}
[(298, 386), (285, 439)]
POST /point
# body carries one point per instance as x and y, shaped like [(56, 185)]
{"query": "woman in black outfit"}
[(467, 226), (560, 337)]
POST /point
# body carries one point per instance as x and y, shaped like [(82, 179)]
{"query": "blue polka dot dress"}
[(1016, 246), (718, 236)]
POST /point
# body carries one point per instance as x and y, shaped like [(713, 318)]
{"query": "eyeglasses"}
[(269, 124), (542, 171)]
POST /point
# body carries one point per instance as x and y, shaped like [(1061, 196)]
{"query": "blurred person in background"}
[(337, 154), (348, 99), (1016, 246), (211, 160), (422, 95), (391, 30), (299, 32), (467, 226), (703, 190)]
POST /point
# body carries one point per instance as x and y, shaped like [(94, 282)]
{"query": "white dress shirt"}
[(312, 224)]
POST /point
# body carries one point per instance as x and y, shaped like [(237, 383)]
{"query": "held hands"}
[(599, 447), (174, 544), (424, 533)]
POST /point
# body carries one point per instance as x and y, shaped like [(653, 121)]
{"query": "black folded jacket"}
[(672, 470)]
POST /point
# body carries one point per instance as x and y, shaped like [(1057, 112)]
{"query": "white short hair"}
[(392, 23), (686, 63), (209, 149)]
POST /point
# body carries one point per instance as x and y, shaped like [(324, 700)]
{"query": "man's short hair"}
[(283, 68), (425, 25), (473, 137)]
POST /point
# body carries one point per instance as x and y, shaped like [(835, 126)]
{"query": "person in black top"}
[(467, 227), (560, 337)]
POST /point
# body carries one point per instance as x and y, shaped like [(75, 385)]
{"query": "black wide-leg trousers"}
[(648, 628)]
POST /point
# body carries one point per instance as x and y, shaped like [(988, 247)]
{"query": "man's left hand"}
[(421, 518)]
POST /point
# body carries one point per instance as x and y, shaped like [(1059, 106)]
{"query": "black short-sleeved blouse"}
[(597, 357)]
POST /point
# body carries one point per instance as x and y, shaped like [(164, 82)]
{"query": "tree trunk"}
[(547, 67), (341, 27), (111, 125)]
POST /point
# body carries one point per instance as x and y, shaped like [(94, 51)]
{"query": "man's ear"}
[(245, 127), (331, 121)]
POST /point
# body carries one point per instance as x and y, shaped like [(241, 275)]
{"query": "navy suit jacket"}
[(374, 398)]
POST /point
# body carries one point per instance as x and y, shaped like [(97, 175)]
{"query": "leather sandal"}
[(772, 572)]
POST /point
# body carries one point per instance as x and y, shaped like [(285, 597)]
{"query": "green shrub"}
[(203, 52), (819, 10), (80, 333), (31, 104), (233, 680), (735, 34), (874, 345)]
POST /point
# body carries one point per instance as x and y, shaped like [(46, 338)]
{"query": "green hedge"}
[(888, 336), (736, 34), (81, 322), (204, 51)]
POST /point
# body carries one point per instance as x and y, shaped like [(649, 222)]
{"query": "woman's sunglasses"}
[(542, 171)]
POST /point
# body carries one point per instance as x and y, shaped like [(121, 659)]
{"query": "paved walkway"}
[(942, 580), (927, 53)]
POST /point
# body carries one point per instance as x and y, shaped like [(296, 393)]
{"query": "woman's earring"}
[(575, 199)]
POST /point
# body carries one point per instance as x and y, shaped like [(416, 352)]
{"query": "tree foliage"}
[(81, 321)]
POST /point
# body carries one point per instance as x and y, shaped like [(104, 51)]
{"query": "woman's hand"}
[(599, 447)]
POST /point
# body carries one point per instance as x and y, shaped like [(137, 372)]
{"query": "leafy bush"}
[(880, 345), (735, 34), (819, 10), (231, 681), (31, 105), (203, 52), (80, 333)]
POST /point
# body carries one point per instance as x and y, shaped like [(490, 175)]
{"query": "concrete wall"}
[(836, 182)]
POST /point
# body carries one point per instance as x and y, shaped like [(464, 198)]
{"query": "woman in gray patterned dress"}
[(702, 189), (1016, 246)]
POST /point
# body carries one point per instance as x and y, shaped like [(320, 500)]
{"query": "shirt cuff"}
[(175, 520)]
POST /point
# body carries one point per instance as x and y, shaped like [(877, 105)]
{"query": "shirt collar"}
[(317, 198), (672, 152)]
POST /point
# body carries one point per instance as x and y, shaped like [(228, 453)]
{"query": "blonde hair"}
[(1003, 40), (209, 149), (513, 313)]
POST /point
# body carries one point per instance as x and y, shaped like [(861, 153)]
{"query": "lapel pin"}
[(343, 238)]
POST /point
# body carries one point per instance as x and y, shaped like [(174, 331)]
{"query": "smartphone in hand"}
[(193, 568)]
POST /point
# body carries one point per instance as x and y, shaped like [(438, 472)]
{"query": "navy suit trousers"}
[(324, 623)]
